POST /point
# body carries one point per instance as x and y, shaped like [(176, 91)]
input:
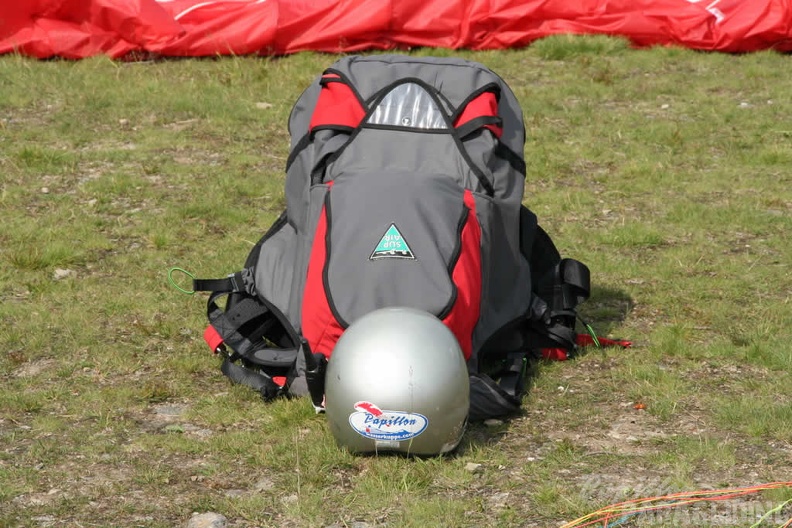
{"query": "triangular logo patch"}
[(392, 245)]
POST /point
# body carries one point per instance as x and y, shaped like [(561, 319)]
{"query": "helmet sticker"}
[(364, 406), (392, 245), (372, 422)]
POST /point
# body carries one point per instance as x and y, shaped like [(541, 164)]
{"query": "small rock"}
[(197, 432), (499, 500), (45, 190), (234, 493), (264, 485), (35, 368), (474, 467), (493, 422), (169, 411), (263, 106), (207, 520), (60, 274)]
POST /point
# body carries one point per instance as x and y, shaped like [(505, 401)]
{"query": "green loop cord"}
[(593, 335), (173, 282)]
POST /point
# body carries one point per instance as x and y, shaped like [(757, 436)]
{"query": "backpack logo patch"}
[(392, 245)]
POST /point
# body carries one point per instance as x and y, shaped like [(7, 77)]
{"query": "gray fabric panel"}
[(506, 285), (303, 253), (300, 116), (298, 179), (509, 184), (299, 386), (363, 206), (427, 153), (506, 282), (274, 271)]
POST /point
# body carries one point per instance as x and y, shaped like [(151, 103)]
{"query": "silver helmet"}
[(397, 381)]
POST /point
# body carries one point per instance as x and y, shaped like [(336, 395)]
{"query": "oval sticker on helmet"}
[(386, 425)]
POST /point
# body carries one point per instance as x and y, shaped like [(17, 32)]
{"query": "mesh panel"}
[(408, 105)]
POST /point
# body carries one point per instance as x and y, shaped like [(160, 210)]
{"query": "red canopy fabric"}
[(76, 29)]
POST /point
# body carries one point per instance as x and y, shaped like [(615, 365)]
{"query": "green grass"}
[(666, 170)]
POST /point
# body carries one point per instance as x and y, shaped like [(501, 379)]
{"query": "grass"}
[(666, 170)]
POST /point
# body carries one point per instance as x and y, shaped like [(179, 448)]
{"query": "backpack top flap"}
[(352, 84), (455, 78)]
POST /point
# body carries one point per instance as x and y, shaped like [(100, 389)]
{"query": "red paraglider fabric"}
[(76, 29)]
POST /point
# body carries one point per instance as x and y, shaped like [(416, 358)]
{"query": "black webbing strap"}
[(233, 283), (561, 335), (570, 289), (565, 288), (538, 335), (257, 381), (243, 324), (576, 278), (512, 380), (279, 358), (477, 124), (562, 290)]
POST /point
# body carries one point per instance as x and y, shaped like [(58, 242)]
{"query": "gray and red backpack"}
[(404, 187)]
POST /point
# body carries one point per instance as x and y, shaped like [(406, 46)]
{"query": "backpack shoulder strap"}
[(253, 332), (558, 284)]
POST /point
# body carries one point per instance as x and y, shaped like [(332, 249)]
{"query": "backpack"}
[(404, 187)]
